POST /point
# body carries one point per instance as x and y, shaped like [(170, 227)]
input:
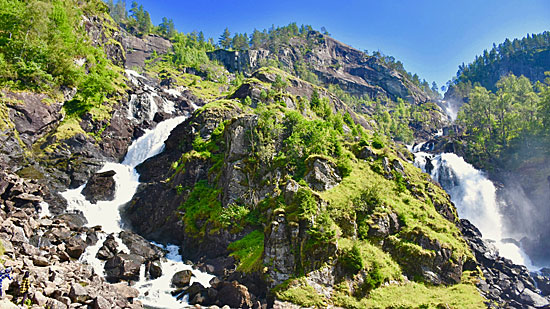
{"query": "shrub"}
[(344, 165), (377, 142), (352, 260)]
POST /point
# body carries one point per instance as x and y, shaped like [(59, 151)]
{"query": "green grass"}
[(298, 291), (201, 207), (248, 251), (373, 257), (416, 295), (417, 215)]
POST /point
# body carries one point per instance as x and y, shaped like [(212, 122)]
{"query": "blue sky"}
[(431, 38)]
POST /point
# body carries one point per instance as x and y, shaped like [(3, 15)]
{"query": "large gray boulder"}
[(322, 174)]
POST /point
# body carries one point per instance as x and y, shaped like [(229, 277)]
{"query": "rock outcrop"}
[(140, 49), (334, 63), (505, 284)]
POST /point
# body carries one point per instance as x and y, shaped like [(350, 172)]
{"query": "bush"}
[(344, 165), (377, 142), (352, 260)]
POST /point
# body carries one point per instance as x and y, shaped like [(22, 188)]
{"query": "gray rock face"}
[(100, 187), (31, 116), (140, 49), (322, 175), (356, 72)]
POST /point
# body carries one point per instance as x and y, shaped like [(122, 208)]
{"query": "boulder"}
[(78, 293), (100, 303), (155, 269), (125, 291), (41, 261), (72, 220), (38, 298), (123, 267), (322, 174), (181, 278), (75, 247), (100, 187), (108, 249), (140, 246), (234, 295)]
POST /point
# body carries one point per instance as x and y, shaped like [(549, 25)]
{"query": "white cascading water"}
[(156, 292), (475, 198)]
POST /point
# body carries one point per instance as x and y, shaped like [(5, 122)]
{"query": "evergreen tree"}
[(167, 27), (225, 39)]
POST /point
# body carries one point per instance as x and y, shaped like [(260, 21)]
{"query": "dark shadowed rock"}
[(100, 187), (181, 278), (123, 267), (234, 295), (108, 249)]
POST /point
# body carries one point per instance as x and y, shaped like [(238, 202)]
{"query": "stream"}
[(153, 292)]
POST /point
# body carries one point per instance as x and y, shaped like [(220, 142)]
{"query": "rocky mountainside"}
[(332, 62), (282, 189)]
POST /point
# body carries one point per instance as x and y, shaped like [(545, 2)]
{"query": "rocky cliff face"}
[(333, 63)]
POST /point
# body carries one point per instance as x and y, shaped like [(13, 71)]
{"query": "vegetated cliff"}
[(529, 56), (332, 62), (306, 203)]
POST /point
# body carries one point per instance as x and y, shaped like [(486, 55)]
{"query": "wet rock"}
[(155, 269), (139, 246), (123, 267), (234, 295), (181, 278), (100, 187), (108, 249), (322, 174)]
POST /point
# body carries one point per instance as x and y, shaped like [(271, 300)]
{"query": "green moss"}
[(201, 207), (5, 122), (417, 215), (248, 251), (298, 291), (415, 295)]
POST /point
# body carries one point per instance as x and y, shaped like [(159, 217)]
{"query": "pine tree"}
[(225, 39)]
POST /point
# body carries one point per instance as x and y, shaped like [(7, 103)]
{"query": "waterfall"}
[(474, 196), (155, 293)]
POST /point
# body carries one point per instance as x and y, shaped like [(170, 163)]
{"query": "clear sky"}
[(431, 38)]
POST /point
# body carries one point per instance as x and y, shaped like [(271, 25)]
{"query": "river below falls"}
[(154, 293)]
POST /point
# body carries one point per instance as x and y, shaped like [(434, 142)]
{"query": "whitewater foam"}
[(157, 292), (475, 198)]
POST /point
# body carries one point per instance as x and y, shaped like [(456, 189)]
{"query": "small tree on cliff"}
[(225, 39)]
